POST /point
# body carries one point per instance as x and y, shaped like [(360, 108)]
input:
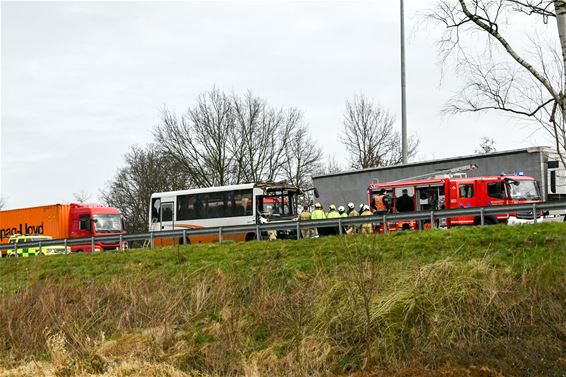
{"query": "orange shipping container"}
[(50, 220)]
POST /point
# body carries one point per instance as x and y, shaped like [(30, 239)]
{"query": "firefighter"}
[(380, 203), (305, 215), (366, 228), (352, 213), (317, 214), (352, 210), (332, 213), (405, 203), (342, 211)]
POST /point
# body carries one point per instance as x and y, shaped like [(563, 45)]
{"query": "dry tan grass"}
[(359, 317)]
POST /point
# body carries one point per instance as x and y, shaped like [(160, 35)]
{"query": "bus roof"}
[(244, 186)]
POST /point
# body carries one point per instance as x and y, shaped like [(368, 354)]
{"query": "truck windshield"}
[(107, 223), (523, 190)]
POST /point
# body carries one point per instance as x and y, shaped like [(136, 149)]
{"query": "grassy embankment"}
[(460, 302)]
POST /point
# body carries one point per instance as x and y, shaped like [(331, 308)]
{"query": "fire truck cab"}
[(445, 193)]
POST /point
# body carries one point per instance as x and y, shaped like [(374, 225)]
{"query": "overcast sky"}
[(83, 81)]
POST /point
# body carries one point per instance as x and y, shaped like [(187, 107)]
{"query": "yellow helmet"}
[(317, 205), (332, 207)]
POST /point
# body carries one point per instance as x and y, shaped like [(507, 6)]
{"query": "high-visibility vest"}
[(380, 204), (318, 214), (332, 215), (344, 214)]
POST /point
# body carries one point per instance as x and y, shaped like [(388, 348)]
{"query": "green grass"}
[(491, 296), (518, 248)]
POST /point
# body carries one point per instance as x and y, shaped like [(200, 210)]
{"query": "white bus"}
[(245, 204)]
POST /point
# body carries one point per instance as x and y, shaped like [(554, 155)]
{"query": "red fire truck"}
[(446, 192)]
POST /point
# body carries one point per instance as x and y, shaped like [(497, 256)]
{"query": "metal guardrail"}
[(296, 226)]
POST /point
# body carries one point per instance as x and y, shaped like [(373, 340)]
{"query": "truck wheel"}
[(487, 220)]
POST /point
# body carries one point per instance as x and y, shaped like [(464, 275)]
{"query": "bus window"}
[(167, 212)]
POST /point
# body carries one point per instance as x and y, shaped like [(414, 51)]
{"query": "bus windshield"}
[(523, 190), (278, 204)]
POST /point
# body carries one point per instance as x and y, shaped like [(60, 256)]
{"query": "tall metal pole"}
[(403, 89)]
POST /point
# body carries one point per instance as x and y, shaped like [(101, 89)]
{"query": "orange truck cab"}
[(61, 221), (446, 193)]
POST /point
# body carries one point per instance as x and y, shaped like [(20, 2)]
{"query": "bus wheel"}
[(188, 241)]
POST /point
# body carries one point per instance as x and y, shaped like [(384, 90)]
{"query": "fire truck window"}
[(466, 191), (496, 190), (399, 191)]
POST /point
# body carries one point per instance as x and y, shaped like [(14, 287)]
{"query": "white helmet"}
[(361, 206), (341, 209), (351, 205), (366, 207)]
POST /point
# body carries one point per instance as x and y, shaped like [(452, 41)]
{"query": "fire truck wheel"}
[(488, 220), (250, 237)]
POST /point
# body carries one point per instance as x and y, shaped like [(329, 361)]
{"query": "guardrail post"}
[(431, 219), (92, 244), (65, 244), (121, 245), (298, 230), (257, 232), (184, 236), (151, 240), (482, 217), (340, 226), (535, 213), (39, 249), (384, 224), (15, 249), (220, 234)]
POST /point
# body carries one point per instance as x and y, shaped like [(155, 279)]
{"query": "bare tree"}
[(200, 139), (330, 166), (148, 170), (487, 145), (82, 196), (261, 137), (303, 158), (502, 76), (369, 135), (228, 139)]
